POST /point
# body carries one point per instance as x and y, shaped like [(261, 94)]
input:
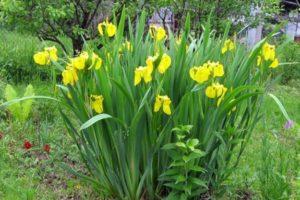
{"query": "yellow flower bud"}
[(228, 46), (164, 102)]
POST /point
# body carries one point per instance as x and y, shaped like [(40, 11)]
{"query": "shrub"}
[(129, 95)]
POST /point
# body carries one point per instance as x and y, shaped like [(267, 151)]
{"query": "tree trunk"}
[(77, 45)]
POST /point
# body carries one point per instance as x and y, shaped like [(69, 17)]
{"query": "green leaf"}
[(180, 144), (192, 143), (280, 105), (93, 120), (193, 156), (14, 101), (169, 146), (11, 95), (26, 104), (180, 178), (198, 182)]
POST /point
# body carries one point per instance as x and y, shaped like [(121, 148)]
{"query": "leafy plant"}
[(20, 110), (182, 176), (127, 96)]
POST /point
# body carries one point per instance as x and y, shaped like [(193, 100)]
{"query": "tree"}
[(78, 19), (49, 19), (219, 12)]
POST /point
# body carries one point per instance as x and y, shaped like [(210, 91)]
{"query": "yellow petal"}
[(147, 74), (137, 76), (275, 63), (52, 53), (160, 33), (202, 74), (97, 103), (111, 30), (157, 104), (218, 71), (100, 29), (193, 72), (224, 49), (164, 64), (210, 92), (258, 60), (96, 61), (166, 107)]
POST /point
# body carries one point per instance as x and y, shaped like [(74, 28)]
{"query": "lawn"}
[(36, 174)]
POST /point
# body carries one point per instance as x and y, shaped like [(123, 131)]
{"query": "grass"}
[(270, 164), (35, 174)]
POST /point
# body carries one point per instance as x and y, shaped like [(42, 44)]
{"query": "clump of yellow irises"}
[(81, 62), (209, 69), (200, 74), (145, 73)]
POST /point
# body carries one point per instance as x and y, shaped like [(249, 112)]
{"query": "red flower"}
[(27, 145), (47, 148)]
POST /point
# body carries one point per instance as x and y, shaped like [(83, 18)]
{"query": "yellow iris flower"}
[(164, 64), (79, 61), (215, 90), (228, 46), (69, 75), (164, 102), (143, 73), (52, 53), (216, 69), (110, 29), (157, 33), (126, 45), (200, 74), (96, 62), (275, 63), (268, 53), (44, 57), (97, 103)]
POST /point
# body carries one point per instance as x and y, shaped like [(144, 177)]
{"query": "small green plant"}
[(182, 175), (19, 110)]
